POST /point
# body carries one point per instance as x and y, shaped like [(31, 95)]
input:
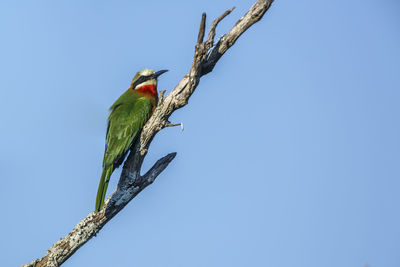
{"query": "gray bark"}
[(207, 53)]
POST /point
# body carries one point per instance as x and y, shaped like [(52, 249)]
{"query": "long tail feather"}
[(102, 190)]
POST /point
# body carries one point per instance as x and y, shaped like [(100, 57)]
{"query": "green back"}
[(128, 115)]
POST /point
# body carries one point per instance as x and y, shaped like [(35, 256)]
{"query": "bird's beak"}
[(158, 73)]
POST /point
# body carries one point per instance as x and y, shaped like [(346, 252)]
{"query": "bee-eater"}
[(127, 117)]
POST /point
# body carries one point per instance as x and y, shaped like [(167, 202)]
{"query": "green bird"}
[(127, 117)]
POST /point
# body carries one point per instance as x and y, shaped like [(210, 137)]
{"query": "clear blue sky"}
[(290, 154)]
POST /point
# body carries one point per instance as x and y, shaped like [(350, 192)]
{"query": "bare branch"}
[(169, 124), (200, 36), (158, 167), (131, 182), (92, 224), (255, 13), (214, 24)]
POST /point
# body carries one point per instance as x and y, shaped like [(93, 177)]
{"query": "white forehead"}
[(146, 72)]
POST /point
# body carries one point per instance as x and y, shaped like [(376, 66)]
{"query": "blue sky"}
[(290, 154)]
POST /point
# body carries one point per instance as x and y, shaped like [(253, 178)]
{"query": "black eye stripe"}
[(141, 79)]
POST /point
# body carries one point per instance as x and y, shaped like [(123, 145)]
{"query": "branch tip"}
[(214, 24), (169, 124), (200, 37), (158, 167)]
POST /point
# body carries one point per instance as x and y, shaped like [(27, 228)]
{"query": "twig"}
[(200, 36), (214, 24)]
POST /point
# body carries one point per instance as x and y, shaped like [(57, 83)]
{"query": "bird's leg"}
[(169, 124)]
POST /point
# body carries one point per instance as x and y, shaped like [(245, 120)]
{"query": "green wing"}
[(128, 115), (124, 123)]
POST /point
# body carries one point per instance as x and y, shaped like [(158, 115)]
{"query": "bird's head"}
[(146, 80)]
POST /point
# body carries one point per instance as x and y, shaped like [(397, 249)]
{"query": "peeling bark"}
[(131, 182)]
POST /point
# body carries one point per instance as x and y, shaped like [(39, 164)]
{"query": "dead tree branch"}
[(131, 183)]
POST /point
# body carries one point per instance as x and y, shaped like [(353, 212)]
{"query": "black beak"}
[(158, 73)]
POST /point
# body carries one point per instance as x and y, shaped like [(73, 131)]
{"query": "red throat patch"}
[(147, 89)]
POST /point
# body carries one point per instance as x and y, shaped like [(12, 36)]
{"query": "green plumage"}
[(127, 117)]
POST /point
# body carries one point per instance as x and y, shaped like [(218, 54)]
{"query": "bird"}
[(126, 119)]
